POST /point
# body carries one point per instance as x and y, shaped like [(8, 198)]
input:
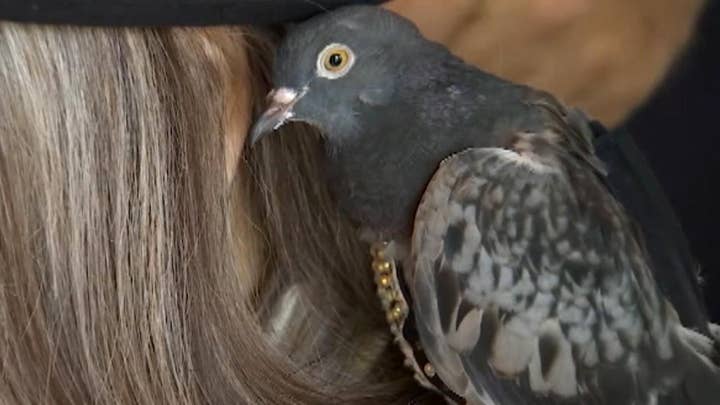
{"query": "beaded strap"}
[(395, 300)]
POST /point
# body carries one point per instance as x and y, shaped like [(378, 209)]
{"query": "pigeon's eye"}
[(335, 61)]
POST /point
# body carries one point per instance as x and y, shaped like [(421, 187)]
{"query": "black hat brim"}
[(166, 12)]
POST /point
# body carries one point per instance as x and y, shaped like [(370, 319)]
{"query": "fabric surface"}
[(165, 12), (633, 183), (677, 131)]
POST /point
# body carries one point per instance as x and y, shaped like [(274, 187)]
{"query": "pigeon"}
[(529, 283)]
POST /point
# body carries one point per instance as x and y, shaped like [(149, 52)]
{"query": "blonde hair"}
[(132, 270)]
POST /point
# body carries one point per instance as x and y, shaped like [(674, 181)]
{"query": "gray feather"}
[(571, 309)]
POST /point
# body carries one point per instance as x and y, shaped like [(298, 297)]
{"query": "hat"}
[(166, 12)]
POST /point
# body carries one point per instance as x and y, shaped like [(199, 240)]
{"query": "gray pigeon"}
[(529, 283)]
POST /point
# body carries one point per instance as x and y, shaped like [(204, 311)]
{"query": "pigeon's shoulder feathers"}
[(529, 286)]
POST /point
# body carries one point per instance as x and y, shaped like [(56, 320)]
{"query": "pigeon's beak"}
[(282, 100)]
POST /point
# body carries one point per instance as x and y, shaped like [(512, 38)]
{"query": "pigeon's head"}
[(333, 70)]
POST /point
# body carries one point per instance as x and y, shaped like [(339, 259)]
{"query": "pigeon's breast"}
[(380, 188)]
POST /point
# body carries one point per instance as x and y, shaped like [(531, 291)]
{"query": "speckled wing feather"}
[(530, 286)]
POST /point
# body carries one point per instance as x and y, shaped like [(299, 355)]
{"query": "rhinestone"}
[(429, 370), (396, 312), (386, 295)]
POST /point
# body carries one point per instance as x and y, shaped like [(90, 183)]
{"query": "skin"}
[(570, 48)]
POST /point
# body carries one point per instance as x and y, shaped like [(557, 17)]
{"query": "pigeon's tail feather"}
[(701, 380)]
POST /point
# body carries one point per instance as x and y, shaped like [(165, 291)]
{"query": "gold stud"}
[(429, 370), (377, 250), (384, 281), (386, 295), (381, 266), (396, 312)]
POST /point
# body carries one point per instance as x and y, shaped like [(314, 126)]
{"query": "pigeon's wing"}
[(530, 287)]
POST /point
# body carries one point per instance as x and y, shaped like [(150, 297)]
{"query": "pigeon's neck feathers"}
[(440, 106), (443, 77), (444, 92)]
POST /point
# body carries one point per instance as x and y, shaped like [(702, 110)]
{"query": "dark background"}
[(678, 131)]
